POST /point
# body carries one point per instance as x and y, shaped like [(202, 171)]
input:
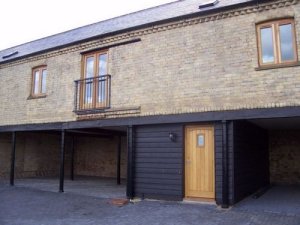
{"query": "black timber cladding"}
[(251, 159), (159, 162), (219, 162)]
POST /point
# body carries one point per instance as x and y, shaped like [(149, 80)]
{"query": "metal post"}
[(72, 158), (130, 163), (62, 162), (225, 192), (13, 159), (119, 161)]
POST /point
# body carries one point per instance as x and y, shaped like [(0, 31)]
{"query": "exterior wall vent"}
[(208, 4), (10, 55)]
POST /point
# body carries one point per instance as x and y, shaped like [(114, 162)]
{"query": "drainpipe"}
[(119, 161), (225, 192), (130, 162), (72, 158), (62, 162), (13, 159)]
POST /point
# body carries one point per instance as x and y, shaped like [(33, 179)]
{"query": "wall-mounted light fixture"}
[(172, 137)]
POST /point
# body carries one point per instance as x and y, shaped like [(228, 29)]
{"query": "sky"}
[(22, 21)]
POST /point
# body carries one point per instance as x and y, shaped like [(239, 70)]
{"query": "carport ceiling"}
[(278, 123), (96, 131)]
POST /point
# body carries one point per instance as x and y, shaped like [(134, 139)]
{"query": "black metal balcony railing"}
[(92, 94)]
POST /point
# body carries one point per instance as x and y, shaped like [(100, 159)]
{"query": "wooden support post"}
[(13, 159), (62, 162), (72, 158), (130, 162), (119, 161), (225, 192)]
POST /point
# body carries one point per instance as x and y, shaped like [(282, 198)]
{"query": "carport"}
[(273, 162), (87, 161)]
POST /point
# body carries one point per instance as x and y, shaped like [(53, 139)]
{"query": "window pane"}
[(267, 46), (89, 73), (102, 64), (36, 82), (102, 89), (286, 42), (44, 77), (89, 67), (88, 91)]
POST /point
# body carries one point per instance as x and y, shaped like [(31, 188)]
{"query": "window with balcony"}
[(277, 43), (39, 78), (93, 90)]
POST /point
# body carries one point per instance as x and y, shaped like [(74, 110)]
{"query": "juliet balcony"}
[(92, 94)]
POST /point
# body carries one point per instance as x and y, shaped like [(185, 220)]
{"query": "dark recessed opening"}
[(208, 4), (10, 55)]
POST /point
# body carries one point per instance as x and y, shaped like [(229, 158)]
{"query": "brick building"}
[(188, 100)]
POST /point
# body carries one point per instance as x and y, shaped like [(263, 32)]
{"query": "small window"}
[(39, 77), (277, 42), (200, 140)]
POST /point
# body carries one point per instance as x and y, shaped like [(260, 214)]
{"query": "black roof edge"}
[(212, 116), (188, 16)]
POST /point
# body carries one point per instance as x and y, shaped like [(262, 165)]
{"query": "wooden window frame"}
[(39, 94), (275, 24), (94, 104)]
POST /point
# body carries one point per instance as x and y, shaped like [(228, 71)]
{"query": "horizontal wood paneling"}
[(218, 162), (174, 176), (155, 145), (159, 150), (162, 155), (158, 162)]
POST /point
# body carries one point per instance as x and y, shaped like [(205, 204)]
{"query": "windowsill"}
[(30, 97), (277, 66), (105, 110)]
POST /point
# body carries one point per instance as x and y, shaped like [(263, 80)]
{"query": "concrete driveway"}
[(26, 206)]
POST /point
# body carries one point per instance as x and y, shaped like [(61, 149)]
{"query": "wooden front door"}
[(199, 162)]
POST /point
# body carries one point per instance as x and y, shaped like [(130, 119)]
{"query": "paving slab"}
[(83, 185), (27, 206)]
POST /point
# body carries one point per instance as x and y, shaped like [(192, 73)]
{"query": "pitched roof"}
[(148, 16)]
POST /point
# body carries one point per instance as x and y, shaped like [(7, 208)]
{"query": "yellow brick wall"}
[(33, 157), (98, 157), (94, 156), (284, 156), (179, 68)]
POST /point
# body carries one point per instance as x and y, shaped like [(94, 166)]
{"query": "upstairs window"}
[(277, 42), (39, 77), (95, 83)]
